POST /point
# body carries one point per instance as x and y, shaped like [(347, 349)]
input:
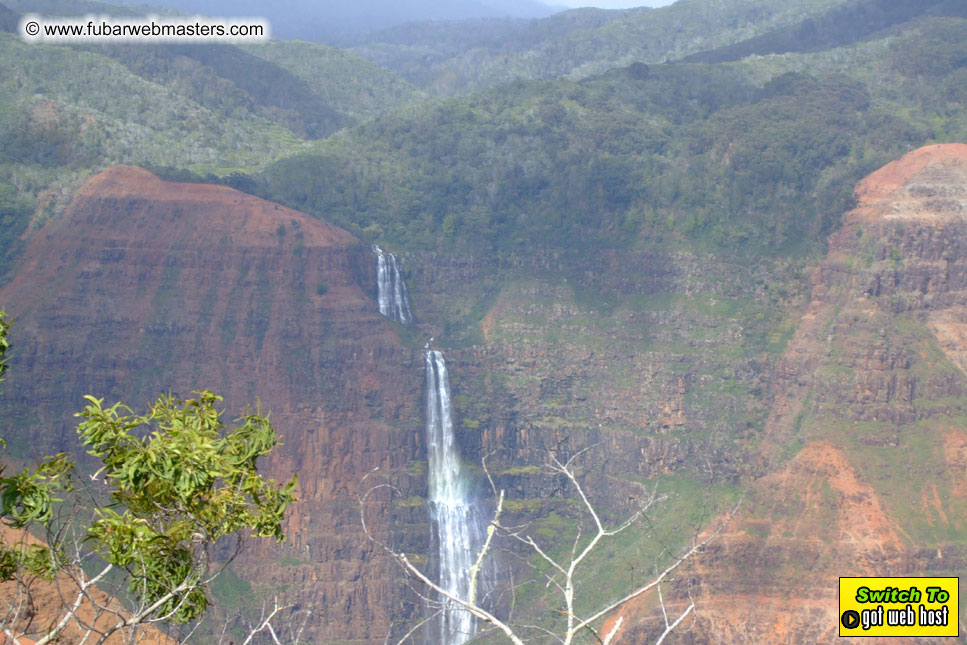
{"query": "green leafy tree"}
[(175, 481)]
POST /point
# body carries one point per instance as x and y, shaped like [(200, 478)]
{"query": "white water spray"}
[(393, 299), (453, 514)]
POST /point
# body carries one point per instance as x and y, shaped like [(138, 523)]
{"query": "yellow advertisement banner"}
[(920, 607)]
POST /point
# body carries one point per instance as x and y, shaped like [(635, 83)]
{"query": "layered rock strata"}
[(147, 286), (862, 466)]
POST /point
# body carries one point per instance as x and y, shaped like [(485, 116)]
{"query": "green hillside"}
[(230, 81), (66, 113), (575, 43), (849, 23), (351, 85), (755, 155), (69, 111), (57, 118), (609, 221)]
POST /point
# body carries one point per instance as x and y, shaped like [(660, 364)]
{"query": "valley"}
[(718, 255)]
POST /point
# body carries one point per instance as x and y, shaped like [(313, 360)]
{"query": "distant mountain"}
[(450, 58), (353, 86), (852, 22), (620, 252), (8, 19), (341, 22), (65, 109), (313, 90)]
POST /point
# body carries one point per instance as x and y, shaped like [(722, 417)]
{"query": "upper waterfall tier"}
[(393, 300)]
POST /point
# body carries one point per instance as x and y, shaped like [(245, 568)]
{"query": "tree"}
[(559, 573), (174, 485)]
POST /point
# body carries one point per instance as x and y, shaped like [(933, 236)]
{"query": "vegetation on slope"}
[(575, 43), (847, 24), (228, 81), (675, 150), (56, 119), (351, 85), (665, 152), (66, 112)]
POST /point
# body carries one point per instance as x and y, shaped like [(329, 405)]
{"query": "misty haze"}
[(483, 321)]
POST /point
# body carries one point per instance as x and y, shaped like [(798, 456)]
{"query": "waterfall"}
[(393, 300), (455, 521)]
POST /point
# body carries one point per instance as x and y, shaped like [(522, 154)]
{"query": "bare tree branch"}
[(266, 624), (670, 628), (72, 611), (562, 575)]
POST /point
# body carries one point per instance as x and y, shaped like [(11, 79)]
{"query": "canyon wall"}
[(863, 462), (831, 398), (833, 402), (147, 286)]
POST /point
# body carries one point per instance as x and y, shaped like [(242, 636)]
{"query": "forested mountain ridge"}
[(66, 112), (676, 150), (353, 86), (450, 59), (839, 26), (658, 259), (340, 23)]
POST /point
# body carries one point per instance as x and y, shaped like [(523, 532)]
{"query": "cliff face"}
[(657, 357), (148, 286), (848, 418), (863, 459)]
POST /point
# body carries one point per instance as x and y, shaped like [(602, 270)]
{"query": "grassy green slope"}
[(688, 151), (229, 81), (310, 89), (66, 113), (852, 22), (67, 108), (350, 84)]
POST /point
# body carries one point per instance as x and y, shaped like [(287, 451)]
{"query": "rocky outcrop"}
[(147, 286), (35, 614), (847, 420), (862, 461)]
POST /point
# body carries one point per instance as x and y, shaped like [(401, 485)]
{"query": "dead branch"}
[(561, 575)]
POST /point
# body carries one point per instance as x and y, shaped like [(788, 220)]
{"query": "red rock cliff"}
[(863, 458), (864, 452), (147, 286)]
